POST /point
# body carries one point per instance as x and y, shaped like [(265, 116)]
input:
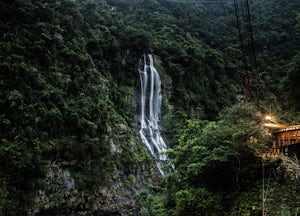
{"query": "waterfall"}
[(150, 111)]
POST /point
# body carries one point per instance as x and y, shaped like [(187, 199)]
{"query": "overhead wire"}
[(244, 25), (245, 32), (243, 19), (252, 39), (236, 7)]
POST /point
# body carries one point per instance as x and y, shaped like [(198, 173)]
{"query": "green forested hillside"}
[(68, 77)]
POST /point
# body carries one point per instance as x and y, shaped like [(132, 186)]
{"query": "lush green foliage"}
[(219, 170), (68, 75), (220, 156), (58, 98)]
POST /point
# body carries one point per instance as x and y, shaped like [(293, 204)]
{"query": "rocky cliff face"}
[(68, 190), (112, 194)]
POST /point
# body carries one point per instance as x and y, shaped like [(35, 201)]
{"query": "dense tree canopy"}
[(68, 78)]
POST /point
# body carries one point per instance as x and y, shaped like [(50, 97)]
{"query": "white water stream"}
[(150, 111)]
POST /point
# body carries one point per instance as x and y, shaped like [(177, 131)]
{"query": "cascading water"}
[(150, 111)]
